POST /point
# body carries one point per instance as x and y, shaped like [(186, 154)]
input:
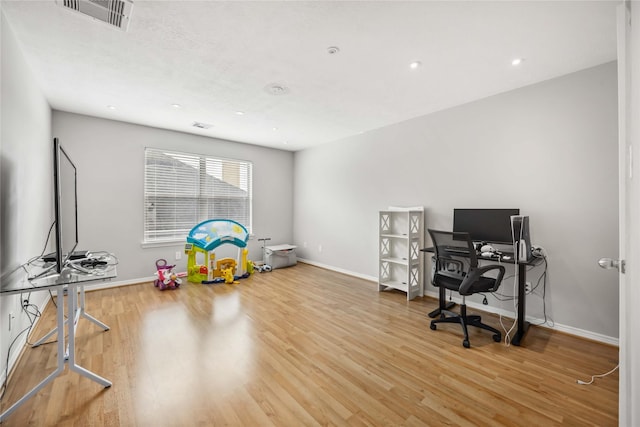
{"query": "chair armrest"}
[(474, 275)]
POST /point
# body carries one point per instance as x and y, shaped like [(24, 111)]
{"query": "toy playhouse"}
[(203, 239)]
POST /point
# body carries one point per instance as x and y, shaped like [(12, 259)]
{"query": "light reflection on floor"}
[(204, 358)]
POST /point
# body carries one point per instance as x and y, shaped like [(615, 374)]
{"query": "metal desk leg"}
[(47, 336), (523, 325), (73, 306), (60, 356), (86, 315), (79, 312)]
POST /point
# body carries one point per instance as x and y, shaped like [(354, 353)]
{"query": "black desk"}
[(523, 325)]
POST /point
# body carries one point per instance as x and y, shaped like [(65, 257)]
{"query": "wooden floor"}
[(305, 346)]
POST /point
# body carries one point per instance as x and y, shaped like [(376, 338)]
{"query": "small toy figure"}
[(227, 273), (167, 277)]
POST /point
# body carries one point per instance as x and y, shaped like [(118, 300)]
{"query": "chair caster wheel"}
[(433, 326), (497, 338), (466, 344)]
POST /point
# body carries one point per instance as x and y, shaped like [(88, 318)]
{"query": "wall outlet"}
[(527, 287), (178, 255)]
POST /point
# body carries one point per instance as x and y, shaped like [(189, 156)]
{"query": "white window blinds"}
[(182, 190)]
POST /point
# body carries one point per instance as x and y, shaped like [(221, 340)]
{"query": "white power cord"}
[(507, 337), (593, 377), (507, 333)]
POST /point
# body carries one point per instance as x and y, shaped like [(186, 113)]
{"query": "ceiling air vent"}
[(114, 12)]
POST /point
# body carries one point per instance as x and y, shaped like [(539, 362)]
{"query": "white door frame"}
[(629, 209)]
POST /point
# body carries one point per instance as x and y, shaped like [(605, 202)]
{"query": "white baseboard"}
[(339, 270), (107, 285)]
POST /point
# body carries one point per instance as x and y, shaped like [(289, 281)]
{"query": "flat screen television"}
[(485, 225), (65, 180)]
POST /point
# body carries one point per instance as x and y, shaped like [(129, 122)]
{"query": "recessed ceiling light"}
[(333, 50), (415, 65), (275, 129), (111, 107), (240, 113), (286, 142), (176, 105), (517, 61)]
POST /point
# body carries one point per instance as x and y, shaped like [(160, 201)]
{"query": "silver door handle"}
[(608, 263)]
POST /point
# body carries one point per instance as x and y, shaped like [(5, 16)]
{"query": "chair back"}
[(450, 244)]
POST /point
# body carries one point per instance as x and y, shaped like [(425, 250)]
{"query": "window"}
[(182, 190)]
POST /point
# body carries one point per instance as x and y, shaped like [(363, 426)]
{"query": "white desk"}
[(73, 280), (80, 312)]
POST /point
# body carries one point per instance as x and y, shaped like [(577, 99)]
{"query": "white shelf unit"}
[(401, 233)]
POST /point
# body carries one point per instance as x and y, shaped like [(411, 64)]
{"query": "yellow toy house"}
[(203, 239)]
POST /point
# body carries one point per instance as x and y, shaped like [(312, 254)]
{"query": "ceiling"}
[(216, 59)]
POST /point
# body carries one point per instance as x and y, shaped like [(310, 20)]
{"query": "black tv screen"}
[(485, 225), (66, 206)]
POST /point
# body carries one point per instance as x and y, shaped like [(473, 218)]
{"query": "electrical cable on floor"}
[(507, 336), (502, 297), (32, 321), (543, 277), (6, 368), (538, 253), (25, 307), (593, 377)]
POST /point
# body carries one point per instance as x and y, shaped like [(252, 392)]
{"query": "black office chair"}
[(449, 273)]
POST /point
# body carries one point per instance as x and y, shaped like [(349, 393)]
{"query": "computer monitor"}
[(66, 207), (485, 225)]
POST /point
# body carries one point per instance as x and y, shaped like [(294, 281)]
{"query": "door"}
[(629, 210)]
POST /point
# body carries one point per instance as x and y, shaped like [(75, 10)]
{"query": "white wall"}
[(109, 156), (549, 149), (26, 183)]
